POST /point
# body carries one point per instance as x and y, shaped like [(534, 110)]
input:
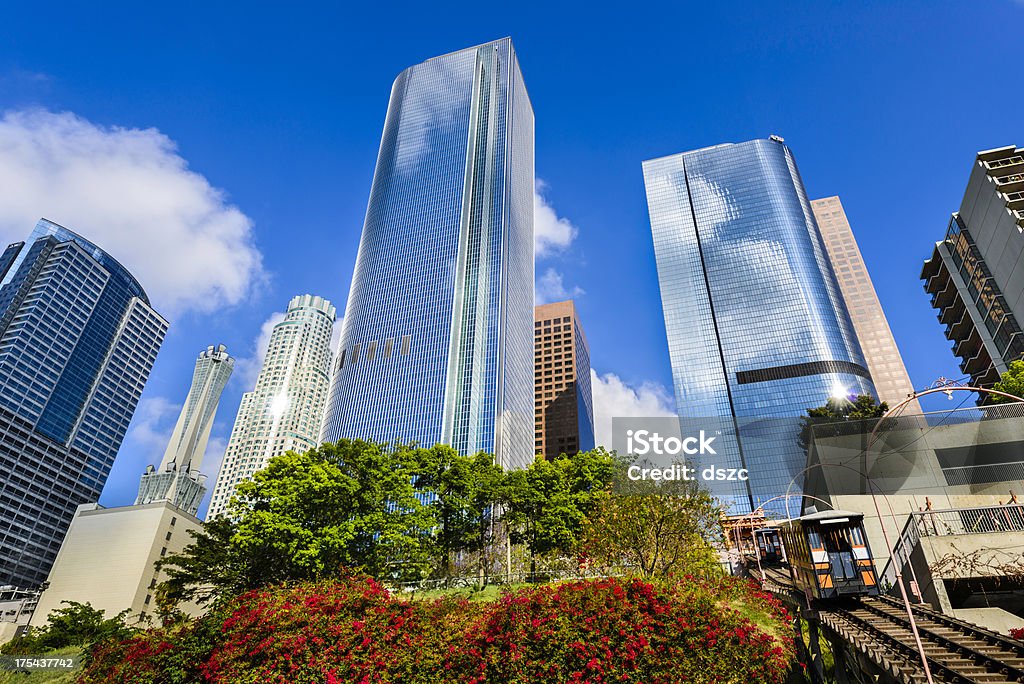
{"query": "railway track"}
[(878, 626)]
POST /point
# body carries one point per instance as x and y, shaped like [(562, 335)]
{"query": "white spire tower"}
[(178, 478)]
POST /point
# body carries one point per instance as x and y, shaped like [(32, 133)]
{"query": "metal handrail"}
[(951, 522)]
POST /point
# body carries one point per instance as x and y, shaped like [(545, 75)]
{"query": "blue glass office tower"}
[(77, 341), (437, 345), (757, 329)]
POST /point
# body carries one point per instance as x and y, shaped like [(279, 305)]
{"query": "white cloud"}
[(551, 233), (247, 369), (150, 431), (336, 336), (551, 288), (129, 191), (613, 398)]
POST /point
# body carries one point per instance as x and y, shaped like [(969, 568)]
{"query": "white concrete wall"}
[(107, 558)]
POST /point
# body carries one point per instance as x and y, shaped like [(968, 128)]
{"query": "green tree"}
[(550, 501), (206, 569), (657, 528), (309, 516), (1011, 382), (863, 407), (79, 624)]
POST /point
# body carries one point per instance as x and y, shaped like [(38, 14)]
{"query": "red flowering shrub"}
[(1017, 633), (626, 631), (354, 631)]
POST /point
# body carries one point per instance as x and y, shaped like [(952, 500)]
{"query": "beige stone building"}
[(880, 351), (107, 558)]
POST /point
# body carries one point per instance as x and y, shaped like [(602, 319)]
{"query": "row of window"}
[(405, 346)]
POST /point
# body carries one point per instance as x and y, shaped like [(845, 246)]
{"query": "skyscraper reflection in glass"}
[(437, 345), (757, 329)]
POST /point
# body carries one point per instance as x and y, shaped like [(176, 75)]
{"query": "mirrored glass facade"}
[(78, 339), (437, 345), (757, 329)]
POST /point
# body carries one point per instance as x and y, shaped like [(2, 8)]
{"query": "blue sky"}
[(225, 153)]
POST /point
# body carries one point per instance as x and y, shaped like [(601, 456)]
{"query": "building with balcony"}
[(975, 276)]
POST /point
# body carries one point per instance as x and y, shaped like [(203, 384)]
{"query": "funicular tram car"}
[(829, 555), (769, 545)]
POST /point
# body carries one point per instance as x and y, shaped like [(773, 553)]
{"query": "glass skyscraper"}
[(78, 339), (437, 345), (758, 331)]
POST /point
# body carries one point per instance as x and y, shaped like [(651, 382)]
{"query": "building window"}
[(355, 354), (371, 350), (341, 359), (388, 344), (406, 345)]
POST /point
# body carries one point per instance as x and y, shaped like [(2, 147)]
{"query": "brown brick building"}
[(564, 411)]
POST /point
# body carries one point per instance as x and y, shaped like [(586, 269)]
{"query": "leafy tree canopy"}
[(657, 528), (79, 624), (1012, 382)]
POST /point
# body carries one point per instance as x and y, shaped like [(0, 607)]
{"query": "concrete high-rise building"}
[(976, 274), (437, 345), (879, 346), (757, 328), (564, 405), (78, 339), (284, 411), (177, 478)]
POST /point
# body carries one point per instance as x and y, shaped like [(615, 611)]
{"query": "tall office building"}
[(879, 346), (975, 277), (177, 478), (437, 345), (564, 406), (757, 328), (78, 338), (284, 410)]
